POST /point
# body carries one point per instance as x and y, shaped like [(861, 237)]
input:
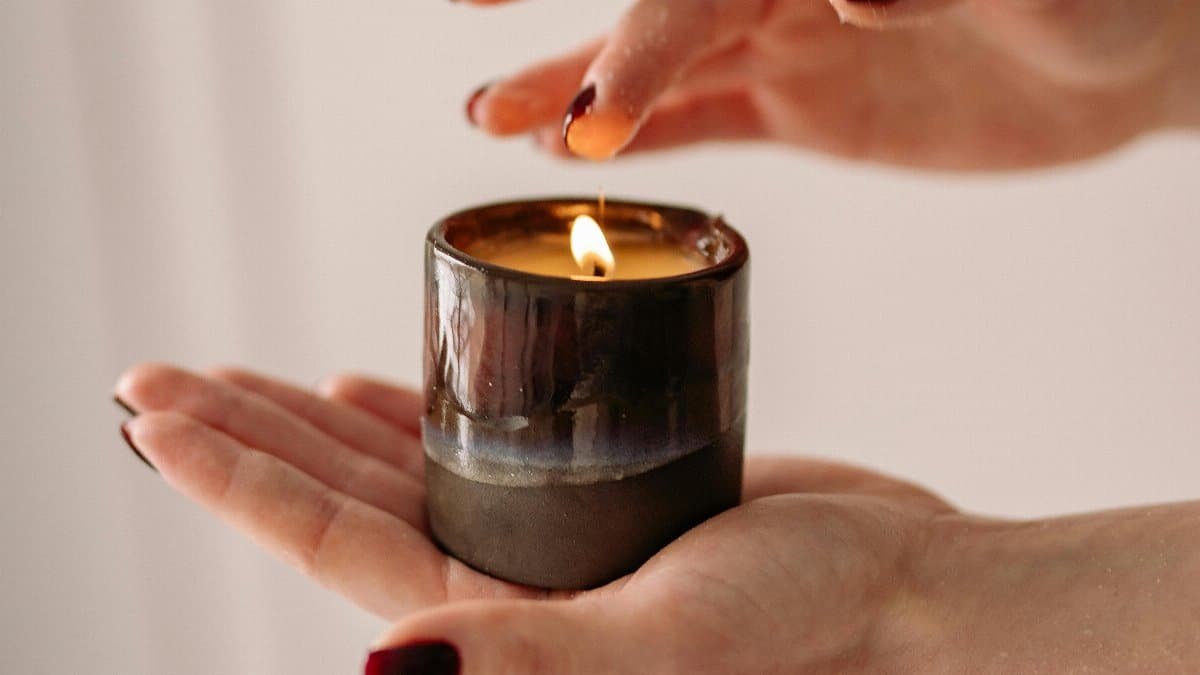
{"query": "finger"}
[(890, 13), (263, 425), (723, 116), (346, 423), (378, 561), (534, 97), (767, 476), (402, 408), (485, 638), (651, 50), (684, 119), (549, 140)]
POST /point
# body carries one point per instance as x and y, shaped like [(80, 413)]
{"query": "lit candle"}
[(587, 252), (585, 384)]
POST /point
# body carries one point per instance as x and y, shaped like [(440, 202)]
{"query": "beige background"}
[(249, 182)]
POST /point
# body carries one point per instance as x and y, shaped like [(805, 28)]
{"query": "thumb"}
[(564, 637), (890, 13)]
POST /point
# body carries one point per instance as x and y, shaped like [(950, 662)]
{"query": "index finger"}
[(652, 48)]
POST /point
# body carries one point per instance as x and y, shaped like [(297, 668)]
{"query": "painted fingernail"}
[(418, 658), (474, 98), (129, 440), (582, 105), (123, 405)]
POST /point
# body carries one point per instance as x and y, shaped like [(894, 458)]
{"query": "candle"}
[(630, 254), (584, 406)]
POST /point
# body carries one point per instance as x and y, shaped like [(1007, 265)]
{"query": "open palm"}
[(332, 483), (962, 84)]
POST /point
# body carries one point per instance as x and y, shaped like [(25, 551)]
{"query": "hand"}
[(953, 84), (332, 484), (825, 568)]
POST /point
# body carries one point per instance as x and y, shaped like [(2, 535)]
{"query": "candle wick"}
[(594, 267)]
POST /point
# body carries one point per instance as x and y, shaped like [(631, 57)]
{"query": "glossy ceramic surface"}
[(539, 386)]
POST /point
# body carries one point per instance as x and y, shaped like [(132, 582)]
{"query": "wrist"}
[(1102, 591), (923, 628)]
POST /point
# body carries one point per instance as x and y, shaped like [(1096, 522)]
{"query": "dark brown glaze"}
[(124, 406), (473, 99), (580, 106), (129, 441), (420, 658), (560, 412)]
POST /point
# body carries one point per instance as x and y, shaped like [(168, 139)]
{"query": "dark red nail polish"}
[(581, 106), (473, 99), (418, 658), (129, 442), (124, 406)]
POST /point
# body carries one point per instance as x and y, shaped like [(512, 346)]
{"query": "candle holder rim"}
[(737, 258)]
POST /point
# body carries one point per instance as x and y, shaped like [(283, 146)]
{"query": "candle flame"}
[(590, 247)]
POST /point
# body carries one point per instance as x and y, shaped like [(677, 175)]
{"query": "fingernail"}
[(129, 441), (123, 405), (582, 105), (474, 98), (419, 658)]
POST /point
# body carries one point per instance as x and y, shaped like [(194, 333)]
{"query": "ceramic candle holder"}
[(574, 427)]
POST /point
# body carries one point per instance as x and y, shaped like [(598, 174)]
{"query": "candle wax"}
[(550, 255)]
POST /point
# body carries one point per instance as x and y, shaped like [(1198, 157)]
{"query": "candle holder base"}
[(581, 536)]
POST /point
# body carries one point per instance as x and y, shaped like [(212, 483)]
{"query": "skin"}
[(825, 568), (935, 84)]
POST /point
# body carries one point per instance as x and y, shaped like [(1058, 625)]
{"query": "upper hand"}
[(959, 84)]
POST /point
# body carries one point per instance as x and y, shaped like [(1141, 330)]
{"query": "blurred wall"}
[(249, 182)]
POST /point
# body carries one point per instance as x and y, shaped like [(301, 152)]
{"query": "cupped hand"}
[(952, 84), (332, 483), (824, 568)]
